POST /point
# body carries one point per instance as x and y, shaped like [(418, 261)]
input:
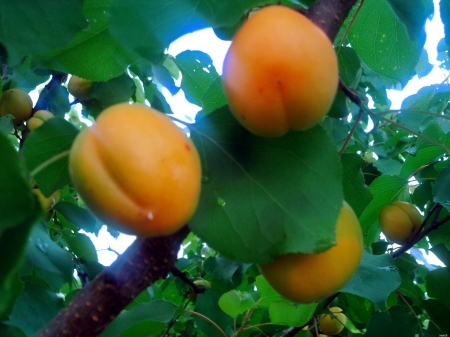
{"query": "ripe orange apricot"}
[(280, 73), (137, 171), (80, 88), (18, 103), (305, 278), (400, 221)]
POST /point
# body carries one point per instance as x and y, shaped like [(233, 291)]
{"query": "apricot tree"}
[(262, 195)]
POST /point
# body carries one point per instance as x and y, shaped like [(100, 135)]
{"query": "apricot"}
[(137, 171), (18, 103), (80, 88), (400, 221), (280, 73), (38, 119), (305, 278), (332, 324)]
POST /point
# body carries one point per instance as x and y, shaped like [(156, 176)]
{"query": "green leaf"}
[(356, 193), (385, 190), (164, 77), (10, 331), (441, 188), (437, 285), (214, 97), (270, 191), (107, 57), (226, 272), (44, 253), (431, 98), (382, 42), (81, 217), (349, 65), (235, 302), (156, 99), (442, 253), (10, 288), (55, 23), (116, 90), (444, 8), (155, 21), (339, 108), (410, 289), (81, 245), (198, 73), (19, 210), (207, 305), (18, 205), (57, 100), (438, 314), (388, 166), (395, 322), (412, 17), (46, 153), (35, 306), (267, 293), (146, 328), (158, 310), (375, 279), (6, 124), (283, 312)]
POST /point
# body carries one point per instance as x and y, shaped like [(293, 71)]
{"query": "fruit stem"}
[(178, 273), (207, 320)]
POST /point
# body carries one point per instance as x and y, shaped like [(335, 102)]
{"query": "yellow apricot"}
[(305, 278), (400, 221), (18, 103), (38, 119), (80, 88), (332, 325), (137, 171), (280, 73)]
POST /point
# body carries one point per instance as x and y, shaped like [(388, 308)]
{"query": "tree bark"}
[(99, 302), (329, 15)]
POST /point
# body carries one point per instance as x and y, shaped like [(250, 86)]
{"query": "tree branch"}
[(97, 304), (329, 15)]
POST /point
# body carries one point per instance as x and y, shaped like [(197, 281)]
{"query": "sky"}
[(206, 41)]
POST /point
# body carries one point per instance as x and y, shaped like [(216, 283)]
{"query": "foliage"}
[(260, 197)]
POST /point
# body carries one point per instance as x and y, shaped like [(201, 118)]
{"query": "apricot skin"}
[(17, 103), (330, 325), (80, 88), (137, 171), (280, 73), (38, 119), (306, 278), (400, 221)]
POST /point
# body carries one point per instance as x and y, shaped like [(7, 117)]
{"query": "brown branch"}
[(329, 15), (435, 210), (97, 304)]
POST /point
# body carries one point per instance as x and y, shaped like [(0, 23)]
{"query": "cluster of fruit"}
[(18, 104), (274, 85), (269, 95)]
